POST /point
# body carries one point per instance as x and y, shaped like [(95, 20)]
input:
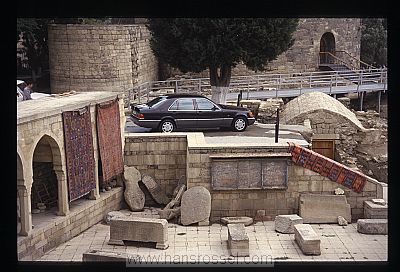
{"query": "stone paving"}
[(338, 243)]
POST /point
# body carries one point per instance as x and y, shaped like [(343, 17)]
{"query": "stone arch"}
[(327, 44), (47, 152)]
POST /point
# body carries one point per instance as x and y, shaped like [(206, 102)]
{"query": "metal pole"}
[(200, 86), (361, 101), (379, 102), (176, 86), (277, 125), (239, 98)]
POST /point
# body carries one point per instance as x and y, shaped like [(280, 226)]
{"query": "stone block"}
[(307, 239), (316, 208), (94, 255), (140, 230), (372, 226), (375, 211), (238, 241), (237, 220), (285, 223)]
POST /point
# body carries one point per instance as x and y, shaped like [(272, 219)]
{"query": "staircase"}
[(345, 65)]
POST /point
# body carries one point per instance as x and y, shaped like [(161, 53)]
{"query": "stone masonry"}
[(163, 158), (99, 57), (304, 54)]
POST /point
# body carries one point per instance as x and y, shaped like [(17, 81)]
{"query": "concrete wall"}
[(65, 228), (99, 57), (160, 156)]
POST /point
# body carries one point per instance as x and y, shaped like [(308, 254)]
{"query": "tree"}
[(374, 41), (34, 32), (195, 44)]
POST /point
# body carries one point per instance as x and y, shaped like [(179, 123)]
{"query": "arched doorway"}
[(45, 192), (20, 181), (326, 46)]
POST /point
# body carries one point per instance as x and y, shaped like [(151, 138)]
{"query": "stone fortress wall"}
[(118, 57), (99, 57), (303, 55)]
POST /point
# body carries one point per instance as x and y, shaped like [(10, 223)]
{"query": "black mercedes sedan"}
[(168, 113)]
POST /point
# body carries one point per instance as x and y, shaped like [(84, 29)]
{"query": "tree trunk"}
[(220, 78), (218, 94)]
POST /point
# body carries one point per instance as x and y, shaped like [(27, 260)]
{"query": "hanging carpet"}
[(109, 139), (79, 152)]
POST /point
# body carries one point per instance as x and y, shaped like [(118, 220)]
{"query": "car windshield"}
[(155, 101)]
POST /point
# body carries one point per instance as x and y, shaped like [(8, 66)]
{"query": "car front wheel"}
[(167, 126), (239, 124)]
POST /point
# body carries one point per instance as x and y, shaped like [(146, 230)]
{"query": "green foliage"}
[(374, 41), (35, 39), (195, 44)]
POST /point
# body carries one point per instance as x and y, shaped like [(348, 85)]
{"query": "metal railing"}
[(270, 82)]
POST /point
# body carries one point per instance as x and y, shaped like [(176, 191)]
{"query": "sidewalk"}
[(340, 244)]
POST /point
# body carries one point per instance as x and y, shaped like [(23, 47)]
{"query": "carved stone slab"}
[(134, 196), (195, 205), (94, 255), (274, 174), (224, 174), (155, 190), (247, 221), (249, 173), (139, 229), (372, 226)]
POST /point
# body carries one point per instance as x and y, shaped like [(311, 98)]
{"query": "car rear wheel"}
[(239, 124), (167, 126)]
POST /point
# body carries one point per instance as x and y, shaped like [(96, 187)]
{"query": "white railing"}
[(264, 82)]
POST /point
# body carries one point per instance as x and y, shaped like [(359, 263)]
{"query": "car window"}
[(204, 104), (183, 104), (155, 101)]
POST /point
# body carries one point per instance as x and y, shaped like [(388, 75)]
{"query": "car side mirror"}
[(214, 108)]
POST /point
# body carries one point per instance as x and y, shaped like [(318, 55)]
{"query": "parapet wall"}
[(99, 57)]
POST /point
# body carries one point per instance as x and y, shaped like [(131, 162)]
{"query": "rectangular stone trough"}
[(139, 230), (238, 241), (307, 239)]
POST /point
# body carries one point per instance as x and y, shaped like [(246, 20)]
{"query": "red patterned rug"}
[(79, 152), (109, 139), (327, 168)]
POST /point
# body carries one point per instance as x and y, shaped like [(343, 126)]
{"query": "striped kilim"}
[(327, 167), (109, 136), (80, 163)]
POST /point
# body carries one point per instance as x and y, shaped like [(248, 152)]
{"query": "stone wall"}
[(158, 155), (65, 228), (265, 204), (99, 57), (304, 54)]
